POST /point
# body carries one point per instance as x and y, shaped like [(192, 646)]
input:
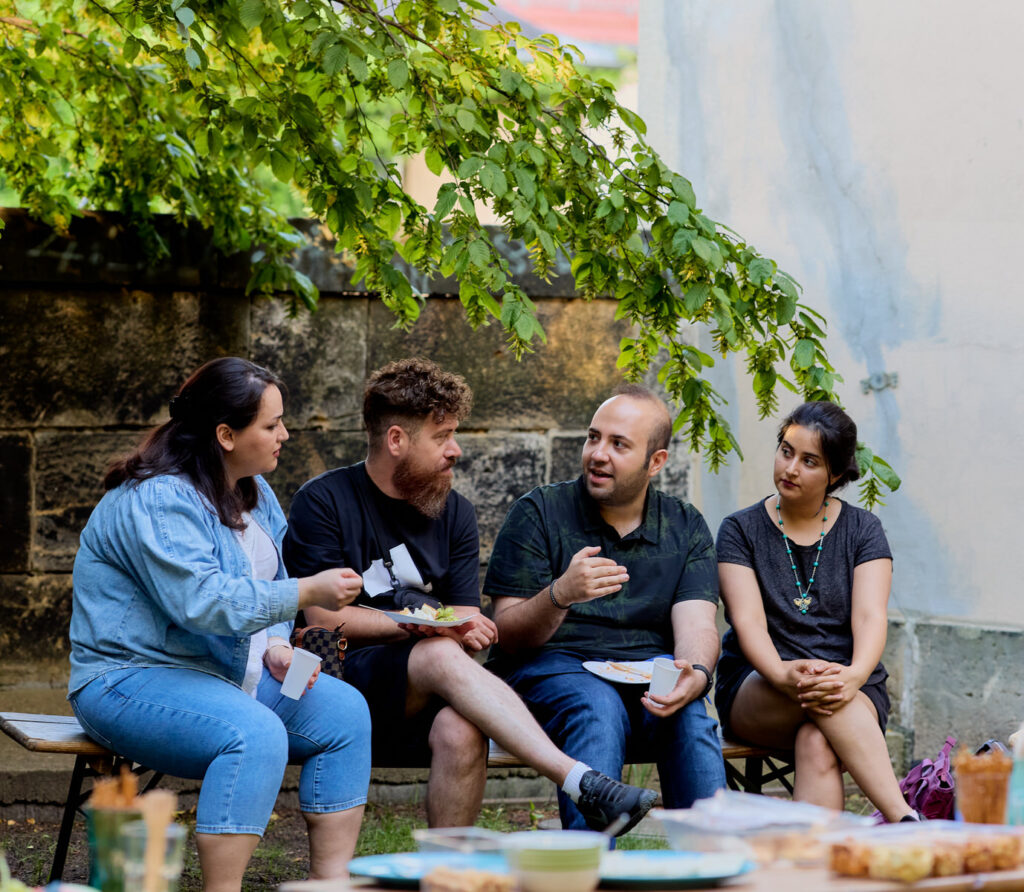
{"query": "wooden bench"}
[(63, 734)]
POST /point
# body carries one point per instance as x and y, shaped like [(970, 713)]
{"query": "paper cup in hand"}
[(299, 673), (663, 677)]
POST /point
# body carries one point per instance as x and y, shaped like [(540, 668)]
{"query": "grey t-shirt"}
[(752, 539)]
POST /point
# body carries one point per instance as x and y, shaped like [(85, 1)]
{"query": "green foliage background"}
[(206, 108)]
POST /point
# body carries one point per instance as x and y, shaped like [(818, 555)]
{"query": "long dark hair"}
[(223, 391), (838, 436)]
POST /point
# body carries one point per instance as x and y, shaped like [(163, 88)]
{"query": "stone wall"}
[(94, 341)]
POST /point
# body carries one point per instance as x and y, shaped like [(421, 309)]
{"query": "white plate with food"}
[(622, 671), (424, 616)]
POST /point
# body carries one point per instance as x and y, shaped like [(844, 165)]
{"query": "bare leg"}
[(818, 778), (458, 771), (762, 715), (223, 858), (332, 842), (440, 666), (858, 741)]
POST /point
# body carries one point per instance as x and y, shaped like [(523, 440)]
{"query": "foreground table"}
[(774, 879)]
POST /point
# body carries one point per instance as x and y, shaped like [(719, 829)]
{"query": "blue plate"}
[(662, 869), (405, 869)]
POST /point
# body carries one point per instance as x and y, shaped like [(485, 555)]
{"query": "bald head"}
[(656, 414)]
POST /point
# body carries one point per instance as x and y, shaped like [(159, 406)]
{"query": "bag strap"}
[(368, 513)]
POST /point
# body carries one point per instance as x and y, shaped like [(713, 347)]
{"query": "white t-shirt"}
[(259, 548)]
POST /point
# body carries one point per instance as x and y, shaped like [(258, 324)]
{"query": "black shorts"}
[(380, 673), (733, 672)]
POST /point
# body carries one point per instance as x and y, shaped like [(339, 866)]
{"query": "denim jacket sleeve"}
[(185, 560)]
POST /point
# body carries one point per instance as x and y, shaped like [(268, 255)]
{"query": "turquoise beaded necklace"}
[(804, 599)]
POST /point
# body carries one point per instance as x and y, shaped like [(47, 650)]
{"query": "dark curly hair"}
[(837, 433), (406, 392), (223, 391)]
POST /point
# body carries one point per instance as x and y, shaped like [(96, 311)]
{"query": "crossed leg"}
[(823, 745), (481, 706)]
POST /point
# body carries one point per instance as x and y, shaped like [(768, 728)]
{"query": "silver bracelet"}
[(551, 594)]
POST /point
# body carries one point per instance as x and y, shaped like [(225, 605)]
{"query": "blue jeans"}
[(191, 724), (604, 724)]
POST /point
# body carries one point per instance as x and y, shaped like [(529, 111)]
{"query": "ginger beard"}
[(426, 489)]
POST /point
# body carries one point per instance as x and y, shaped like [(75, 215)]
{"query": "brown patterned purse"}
[(328, 644)]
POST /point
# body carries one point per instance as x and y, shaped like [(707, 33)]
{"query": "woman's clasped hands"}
[(821, 687)]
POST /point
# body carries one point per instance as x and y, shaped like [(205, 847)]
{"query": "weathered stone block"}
[(558, 386), (493, 472), (898, 661), (309, 453), (15, 502), (321, 357), (69, 482), (35, 612), (969, 683), (107, 358), (566, 456)]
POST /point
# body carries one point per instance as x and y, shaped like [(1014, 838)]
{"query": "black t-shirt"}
[(328, 527), (670, 558), (752, 539)]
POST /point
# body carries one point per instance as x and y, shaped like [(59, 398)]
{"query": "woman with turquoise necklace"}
[(805, 578)]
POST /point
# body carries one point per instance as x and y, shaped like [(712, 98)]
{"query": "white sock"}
[(571, 785)]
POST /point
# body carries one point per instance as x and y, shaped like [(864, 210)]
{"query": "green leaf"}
[(446, 198), (466, 118), (192, 58), (785, 310), (479, 255), (678, 213), (803, 353), (702, 248), (470, 166), (360, 70), (884, 472), (398, 73), (185, 16), (696, 297), (252, 13), (683, 190), (335, 57), (282, 165), (131, 49), (760, 271), (435, 163)]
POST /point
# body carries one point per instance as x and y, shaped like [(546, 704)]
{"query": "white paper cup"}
[(663, 676), (299, 673)]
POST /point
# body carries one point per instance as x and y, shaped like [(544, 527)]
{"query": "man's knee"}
[(452, 734)]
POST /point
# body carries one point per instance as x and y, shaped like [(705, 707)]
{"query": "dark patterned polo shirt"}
[(670, 558)]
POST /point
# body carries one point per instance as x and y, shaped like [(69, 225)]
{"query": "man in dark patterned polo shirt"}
[(606, 567)]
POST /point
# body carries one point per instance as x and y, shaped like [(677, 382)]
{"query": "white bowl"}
[(556, 860)]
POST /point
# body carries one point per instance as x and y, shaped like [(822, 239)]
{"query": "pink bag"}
[(928, 786)]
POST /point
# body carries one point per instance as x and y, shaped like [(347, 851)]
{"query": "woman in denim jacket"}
[(179, 631)]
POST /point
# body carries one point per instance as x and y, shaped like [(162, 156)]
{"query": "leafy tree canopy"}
[(200, 106)]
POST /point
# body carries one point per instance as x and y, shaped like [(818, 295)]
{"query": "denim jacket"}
[(160, 581)]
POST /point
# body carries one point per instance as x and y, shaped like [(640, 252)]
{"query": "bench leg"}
[(67, 823), (752, 777)]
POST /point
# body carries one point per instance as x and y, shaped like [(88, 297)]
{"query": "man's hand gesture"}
[(588, 577)]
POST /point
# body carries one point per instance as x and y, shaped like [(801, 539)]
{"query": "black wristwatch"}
[(707, 672)]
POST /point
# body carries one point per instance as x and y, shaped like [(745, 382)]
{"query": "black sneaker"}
[(602, 800)]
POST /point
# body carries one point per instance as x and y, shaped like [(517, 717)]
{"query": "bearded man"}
[(396, 521), (607, 568)]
